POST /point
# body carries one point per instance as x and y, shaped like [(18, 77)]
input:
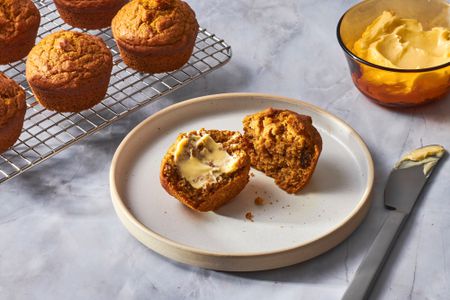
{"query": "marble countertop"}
[(60, 237)]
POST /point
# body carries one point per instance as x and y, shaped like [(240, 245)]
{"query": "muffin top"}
[(12, 99), (90, 4), (16, 17), (143, 24), (65, 59)]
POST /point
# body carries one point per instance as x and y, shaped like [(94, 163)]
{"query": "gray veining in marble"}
[(60, 238)]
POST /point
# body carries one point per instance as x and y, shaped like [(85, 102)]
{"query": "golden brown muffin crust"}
[(144, 24), (65, 59), (90, 4), (12, 99), (16, 17), (284, 145)]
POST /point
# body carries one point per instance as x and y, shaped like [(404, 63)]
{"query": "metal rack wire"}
[(46, 133)]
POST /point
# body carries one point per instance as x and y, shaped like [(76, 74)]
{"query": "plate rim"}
[(131, 223)]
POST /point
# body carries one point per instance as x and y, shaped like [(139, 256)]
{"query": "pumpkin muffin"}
[(19, 24), (284, 145), (12, 112), (69, 71), (89, 14), (205, 169), (155, 36)]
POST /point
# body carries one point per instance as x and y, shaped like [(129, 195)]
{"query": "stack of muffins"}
[(69, 71)]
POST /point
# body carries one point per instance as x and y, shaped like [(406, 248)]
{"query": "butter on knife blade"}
[(403, 187), (428, 156)]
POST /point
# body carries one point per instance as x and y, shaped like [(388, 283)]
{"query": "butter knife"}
[(402, 189)]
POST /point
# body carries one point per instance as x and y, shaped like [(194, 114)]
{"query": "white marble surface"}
[(60, 238)]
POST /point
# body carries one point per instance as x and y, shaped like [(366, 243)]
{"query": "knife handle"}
[(372, 264)]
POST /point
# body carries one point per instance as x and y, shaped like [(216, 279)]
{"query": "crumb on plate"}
[(259, 201)]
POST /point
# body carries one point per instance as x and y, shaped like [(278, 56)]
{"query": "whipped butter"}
[(201, 161), (427, 156), (391, 41)]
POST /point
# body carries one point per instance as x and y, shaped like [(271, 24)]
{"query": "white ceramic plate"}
[(286, 230)]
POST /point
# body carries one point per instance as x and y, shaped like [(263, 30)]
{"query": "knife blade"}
[(403, 188)]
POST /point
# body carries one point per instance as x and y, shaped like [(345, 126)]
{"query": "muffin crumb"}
[(259, 201), (249, 216)]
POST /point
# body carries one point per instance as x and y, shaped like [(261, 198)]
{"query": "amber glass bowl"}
[(389, 86)]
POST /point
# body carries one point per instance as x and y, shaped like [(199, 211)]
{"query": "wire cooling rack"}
[(46, 133)]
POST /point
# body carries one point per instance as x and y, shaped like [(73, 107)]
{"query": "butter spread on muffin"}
[(12, 111), (155, 36), (284, 145), (202, 161), (69, 71), (19, 23), (89, 14), (204, 169)]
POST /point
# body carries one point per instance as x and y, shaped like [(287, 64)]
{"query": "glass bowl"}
[(390, 86)]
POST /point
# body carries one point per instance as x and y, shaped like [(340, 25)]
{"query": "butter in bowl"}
[(398, 51)]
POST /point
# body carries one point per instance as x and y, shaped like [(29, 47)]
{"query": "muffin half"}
[(69, 71), (155, 36), (12, 112), (93, 14), (205, 169), (19, 24), (284, 145)]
